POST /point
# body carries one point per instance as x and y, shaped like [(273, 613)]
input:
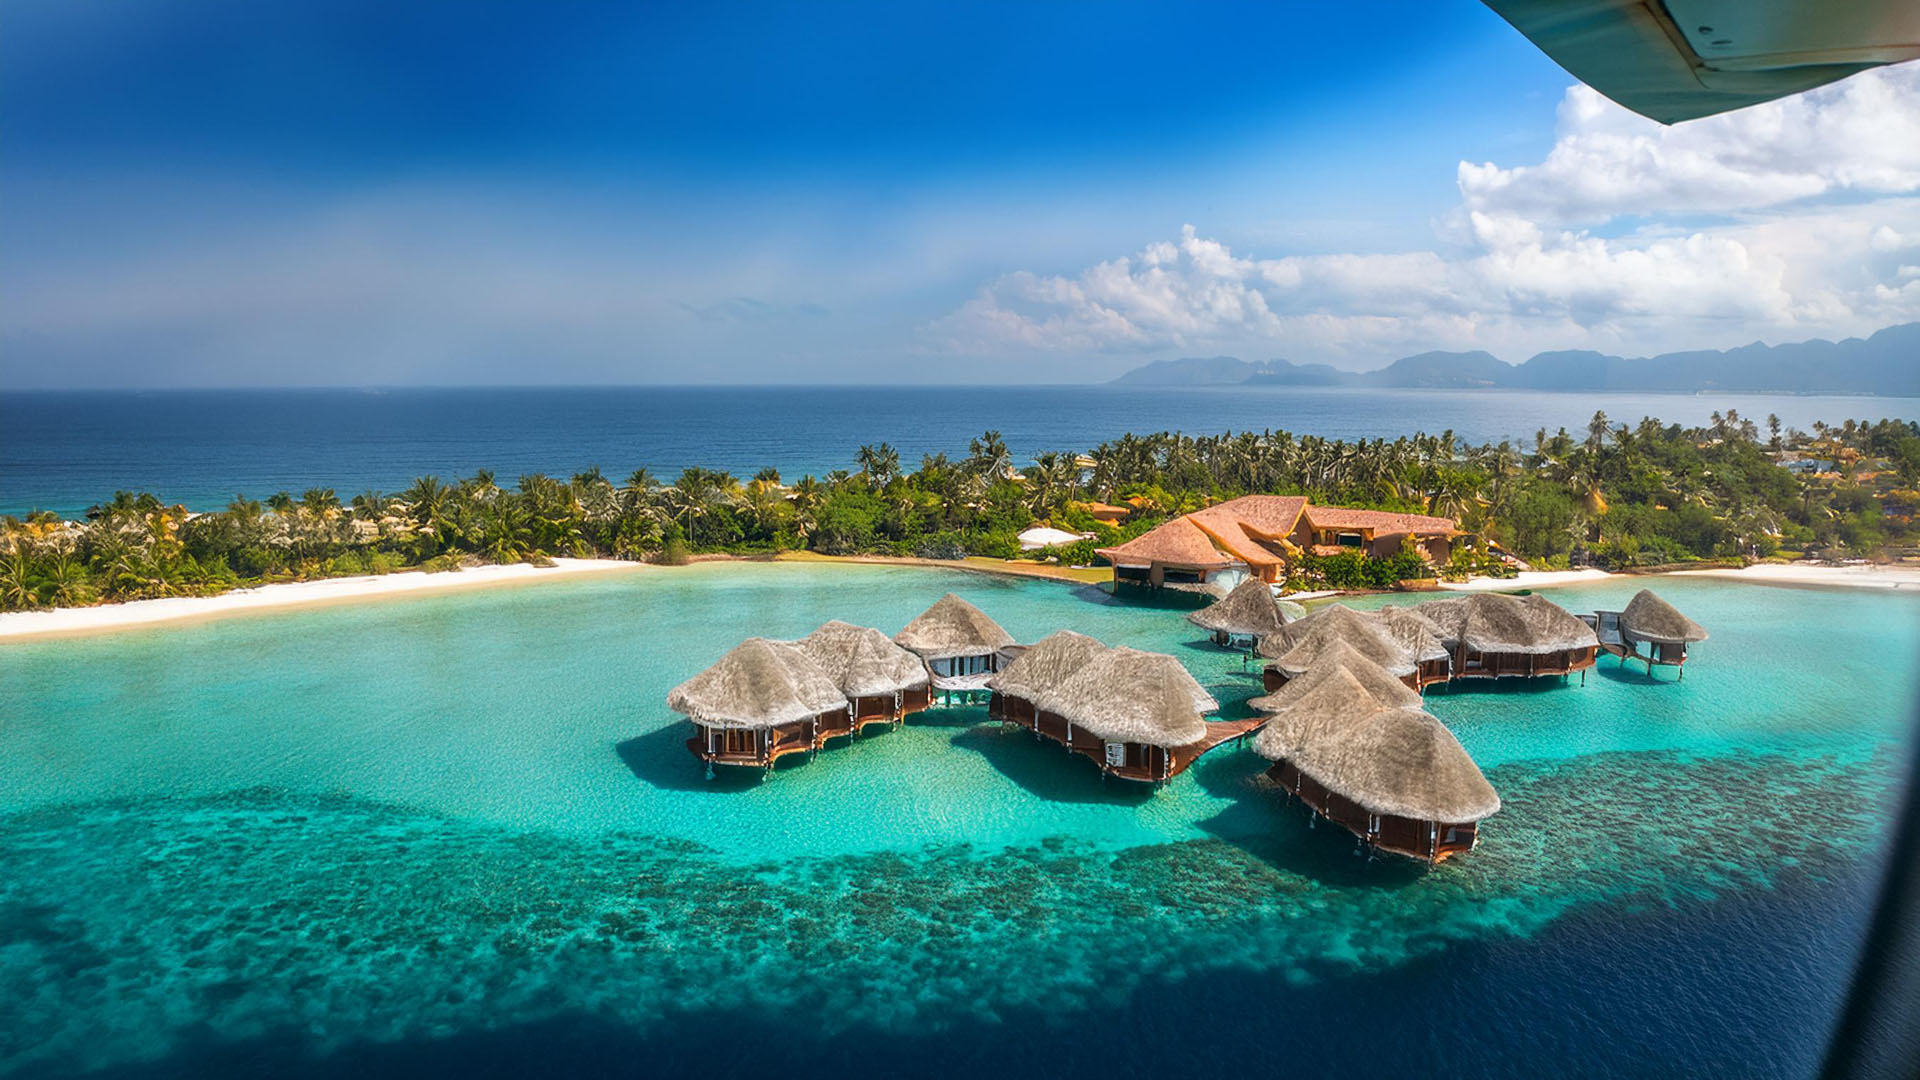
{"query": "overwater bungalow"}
[(1344, 688), (1397, 779), (1137, 715), (1493, 635), (1039, 667), (1298, 646), (1244, 616), (760, 702), (1423, 639), (1651, 621), (883, 682), (1261, 535), (961, 647)]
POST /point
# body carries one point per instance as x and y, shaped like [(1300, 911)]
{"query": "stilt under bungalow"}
[(883, 682), (1297, 647), (961, 647), (1495, 636), (1396, 778), (759, 703), (1651, 621), (1244, 616), (1137, 715)]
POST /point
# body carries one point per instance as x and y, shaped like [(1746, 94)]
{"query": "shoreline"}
[(281, 596), (16, 626), (1798, 576)]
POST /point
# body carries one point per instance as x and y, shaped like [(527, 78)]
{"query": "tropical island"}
[(1881, 363), (1617, 497)]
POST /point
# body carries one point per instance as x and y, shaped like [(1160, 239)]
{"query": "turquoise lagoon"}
[(462, 832)]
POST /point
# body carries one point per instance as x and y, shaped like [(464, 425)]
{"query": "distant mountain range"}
[(1887, 363)]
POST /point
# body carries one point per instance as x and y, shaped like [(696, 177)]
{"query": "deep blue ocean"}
[(66, 451)]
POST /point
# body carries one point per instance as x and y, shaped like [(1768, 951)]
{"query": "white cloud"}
[(1518, 277), (1858, 136)]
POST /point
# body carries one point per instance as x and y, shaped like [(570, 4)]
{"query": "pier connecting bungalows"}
[(1137, 715), (1651, 621), (1298, 646), (760, 702), (883, 682), (1243, 616), (961, 647), (1492, 635)]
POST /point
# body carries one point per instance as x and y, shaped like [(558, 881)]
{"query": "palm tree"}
[(988, 456)]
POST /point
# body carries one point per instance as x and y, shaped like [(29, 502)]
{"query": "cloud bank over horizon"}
[(1814, 231)]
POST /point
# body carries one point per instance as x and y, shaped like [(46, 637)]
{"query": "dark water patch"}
[(1706, 990), (224, 922)]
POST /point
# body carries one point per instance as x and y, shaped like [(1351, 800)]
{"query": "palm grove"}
[(1615, 495)]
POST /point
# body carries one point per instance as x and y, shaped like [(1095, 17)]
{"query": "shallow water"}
[(392, 833)]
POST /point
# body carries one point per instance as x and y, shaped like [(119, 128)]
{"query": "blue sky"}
[(355, 193)]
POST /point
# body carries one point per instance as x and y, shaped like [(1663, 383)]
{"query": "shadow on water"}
[(1048, 770), (660, 758), (1628, 674), (949, 716), (1593, 995), (1546, 684), (1263, 822)]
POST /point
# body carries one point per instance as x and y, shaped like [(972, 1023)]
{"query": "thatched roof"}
[(1341, 690), (1650, 618), (952, 627), (1401, 762), (1046, 664), (1177, 543), (1299, 645), (1415, 631), (759, 683), (1498, 623), (862, 661), (1125, 695), (1248, 609)]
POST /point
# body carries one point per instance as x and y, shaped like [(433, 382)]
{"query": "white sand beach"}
[(1806, 575), (22, 625)]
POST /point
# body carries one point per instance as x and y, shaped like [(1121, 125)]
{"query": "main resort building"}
[(1258, 535)]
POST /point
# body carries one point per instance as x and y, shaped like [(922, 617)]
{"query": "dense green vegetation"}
[(1616, 495)]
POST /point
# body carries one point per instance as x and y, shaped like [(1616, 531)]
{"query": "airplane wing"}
[(1674, 60)]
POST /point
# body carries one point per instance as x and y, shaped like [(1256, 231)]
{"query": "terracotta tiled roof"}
[(1099, 508), (1177, 543), (1268, 515), (1381, 522)]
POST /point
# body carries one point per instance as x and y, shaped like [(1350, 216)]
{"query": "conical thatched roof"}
[(1125, 695), (1497, 623), (759, 683), (1248, 609), (952, 627), (862, 661), (1415, 631), (1046, 664), (1650, 618), (1298, 645), (1341, 690), (1401, 762)]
